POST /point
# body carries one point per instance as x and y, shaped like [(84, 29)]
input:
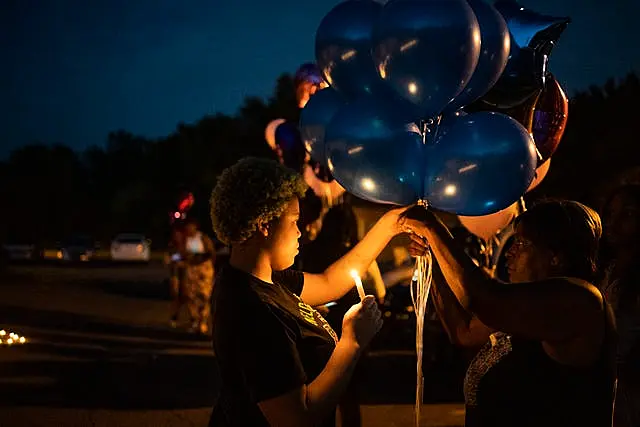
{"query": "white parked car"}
[(130, 247)]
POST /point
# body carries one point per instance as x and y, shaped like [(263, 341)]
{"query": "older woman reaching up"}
[(550, 357)]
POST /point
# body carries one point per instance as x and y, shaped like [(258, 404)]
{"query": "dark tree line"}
[(132, 183), (601, 145)]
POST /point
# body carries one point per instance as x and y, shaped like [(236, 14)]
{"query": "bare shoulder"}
[(585, 290), (585, 348)]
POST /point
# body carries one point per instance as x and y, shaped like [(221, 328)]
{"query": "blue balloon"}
[(529, 28), (427, 50), (315, 117), (494, 52), (480, 164), (374, 154), (533, 37), (343, 47)]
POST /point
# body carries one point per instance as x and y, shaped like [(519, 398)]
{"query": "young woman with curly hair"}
[(280, 361)]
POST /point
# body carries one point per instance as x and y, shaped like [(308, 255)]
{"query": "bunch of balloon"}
[(392, 126), (528, 92)]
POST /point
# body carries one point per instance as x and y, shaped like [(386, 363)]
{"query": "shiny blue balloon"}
[(529, 28), (343, 47), (533, 37), (494, 52), (480, 163), (374, 154), (315, 117), (427, 50)]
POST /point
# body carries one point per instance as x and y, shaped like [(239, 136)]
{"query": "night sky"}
[(73, 70)]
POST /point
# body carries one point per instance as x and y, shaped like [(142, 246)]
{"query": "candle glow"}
[(358, 282)]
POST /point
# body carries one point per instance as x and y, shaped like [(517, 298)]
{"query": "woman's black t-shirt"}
[(267, 343)]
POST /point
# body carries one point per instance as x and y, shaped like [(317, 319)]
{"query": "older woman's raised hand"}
[(407, 219), (418, 246), (417, 221)]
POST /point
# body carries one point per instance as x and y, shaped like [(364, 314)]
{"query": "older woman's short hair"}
[(568, 228), (251, 192)]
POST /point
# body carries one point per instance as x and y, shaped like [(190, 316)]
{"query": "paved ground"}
[(99, 353), (373, 416)]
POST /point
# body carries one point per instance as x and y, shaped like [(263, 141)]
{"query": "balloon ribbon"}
[(420, 286)]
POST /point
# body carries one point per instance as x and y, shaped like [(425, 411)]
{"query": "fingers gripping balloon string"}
[(419, 289), (429, 130)]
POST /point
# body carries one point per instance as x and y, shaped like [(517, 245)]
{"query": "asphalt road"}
[(99, 353)]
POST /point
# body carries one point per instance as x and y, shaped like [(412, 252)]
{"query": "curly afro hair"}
[(253, 191)]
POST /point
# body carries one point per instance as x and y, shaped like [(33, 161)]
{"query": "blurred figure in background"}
[(308, 80), (621, 285), (284, 138), (200, 256), (337, 235), (174, 259), (283, 135)]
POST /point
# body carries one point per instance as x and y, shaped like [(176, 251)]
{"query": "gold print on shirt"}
[(327, 327), (309, 314), (306, 311)]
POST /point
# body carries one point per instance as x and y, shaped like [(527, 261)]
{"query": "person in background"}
[(281, 363), (284, 138), (174, 259), (308, 80), (339, 233), (200, 257), (549, 359), (283, 135), (498, 246), (621, 285)]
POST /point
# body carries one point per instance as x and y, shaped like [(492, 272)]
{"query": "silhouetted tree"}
[(132, 182), (600, 141)]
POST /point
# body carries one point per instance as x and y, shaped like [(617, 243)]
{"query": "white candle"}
[(358, 281)]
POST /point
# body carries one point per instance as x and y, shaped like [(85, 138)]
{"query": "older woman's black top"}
[(513, 382)]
